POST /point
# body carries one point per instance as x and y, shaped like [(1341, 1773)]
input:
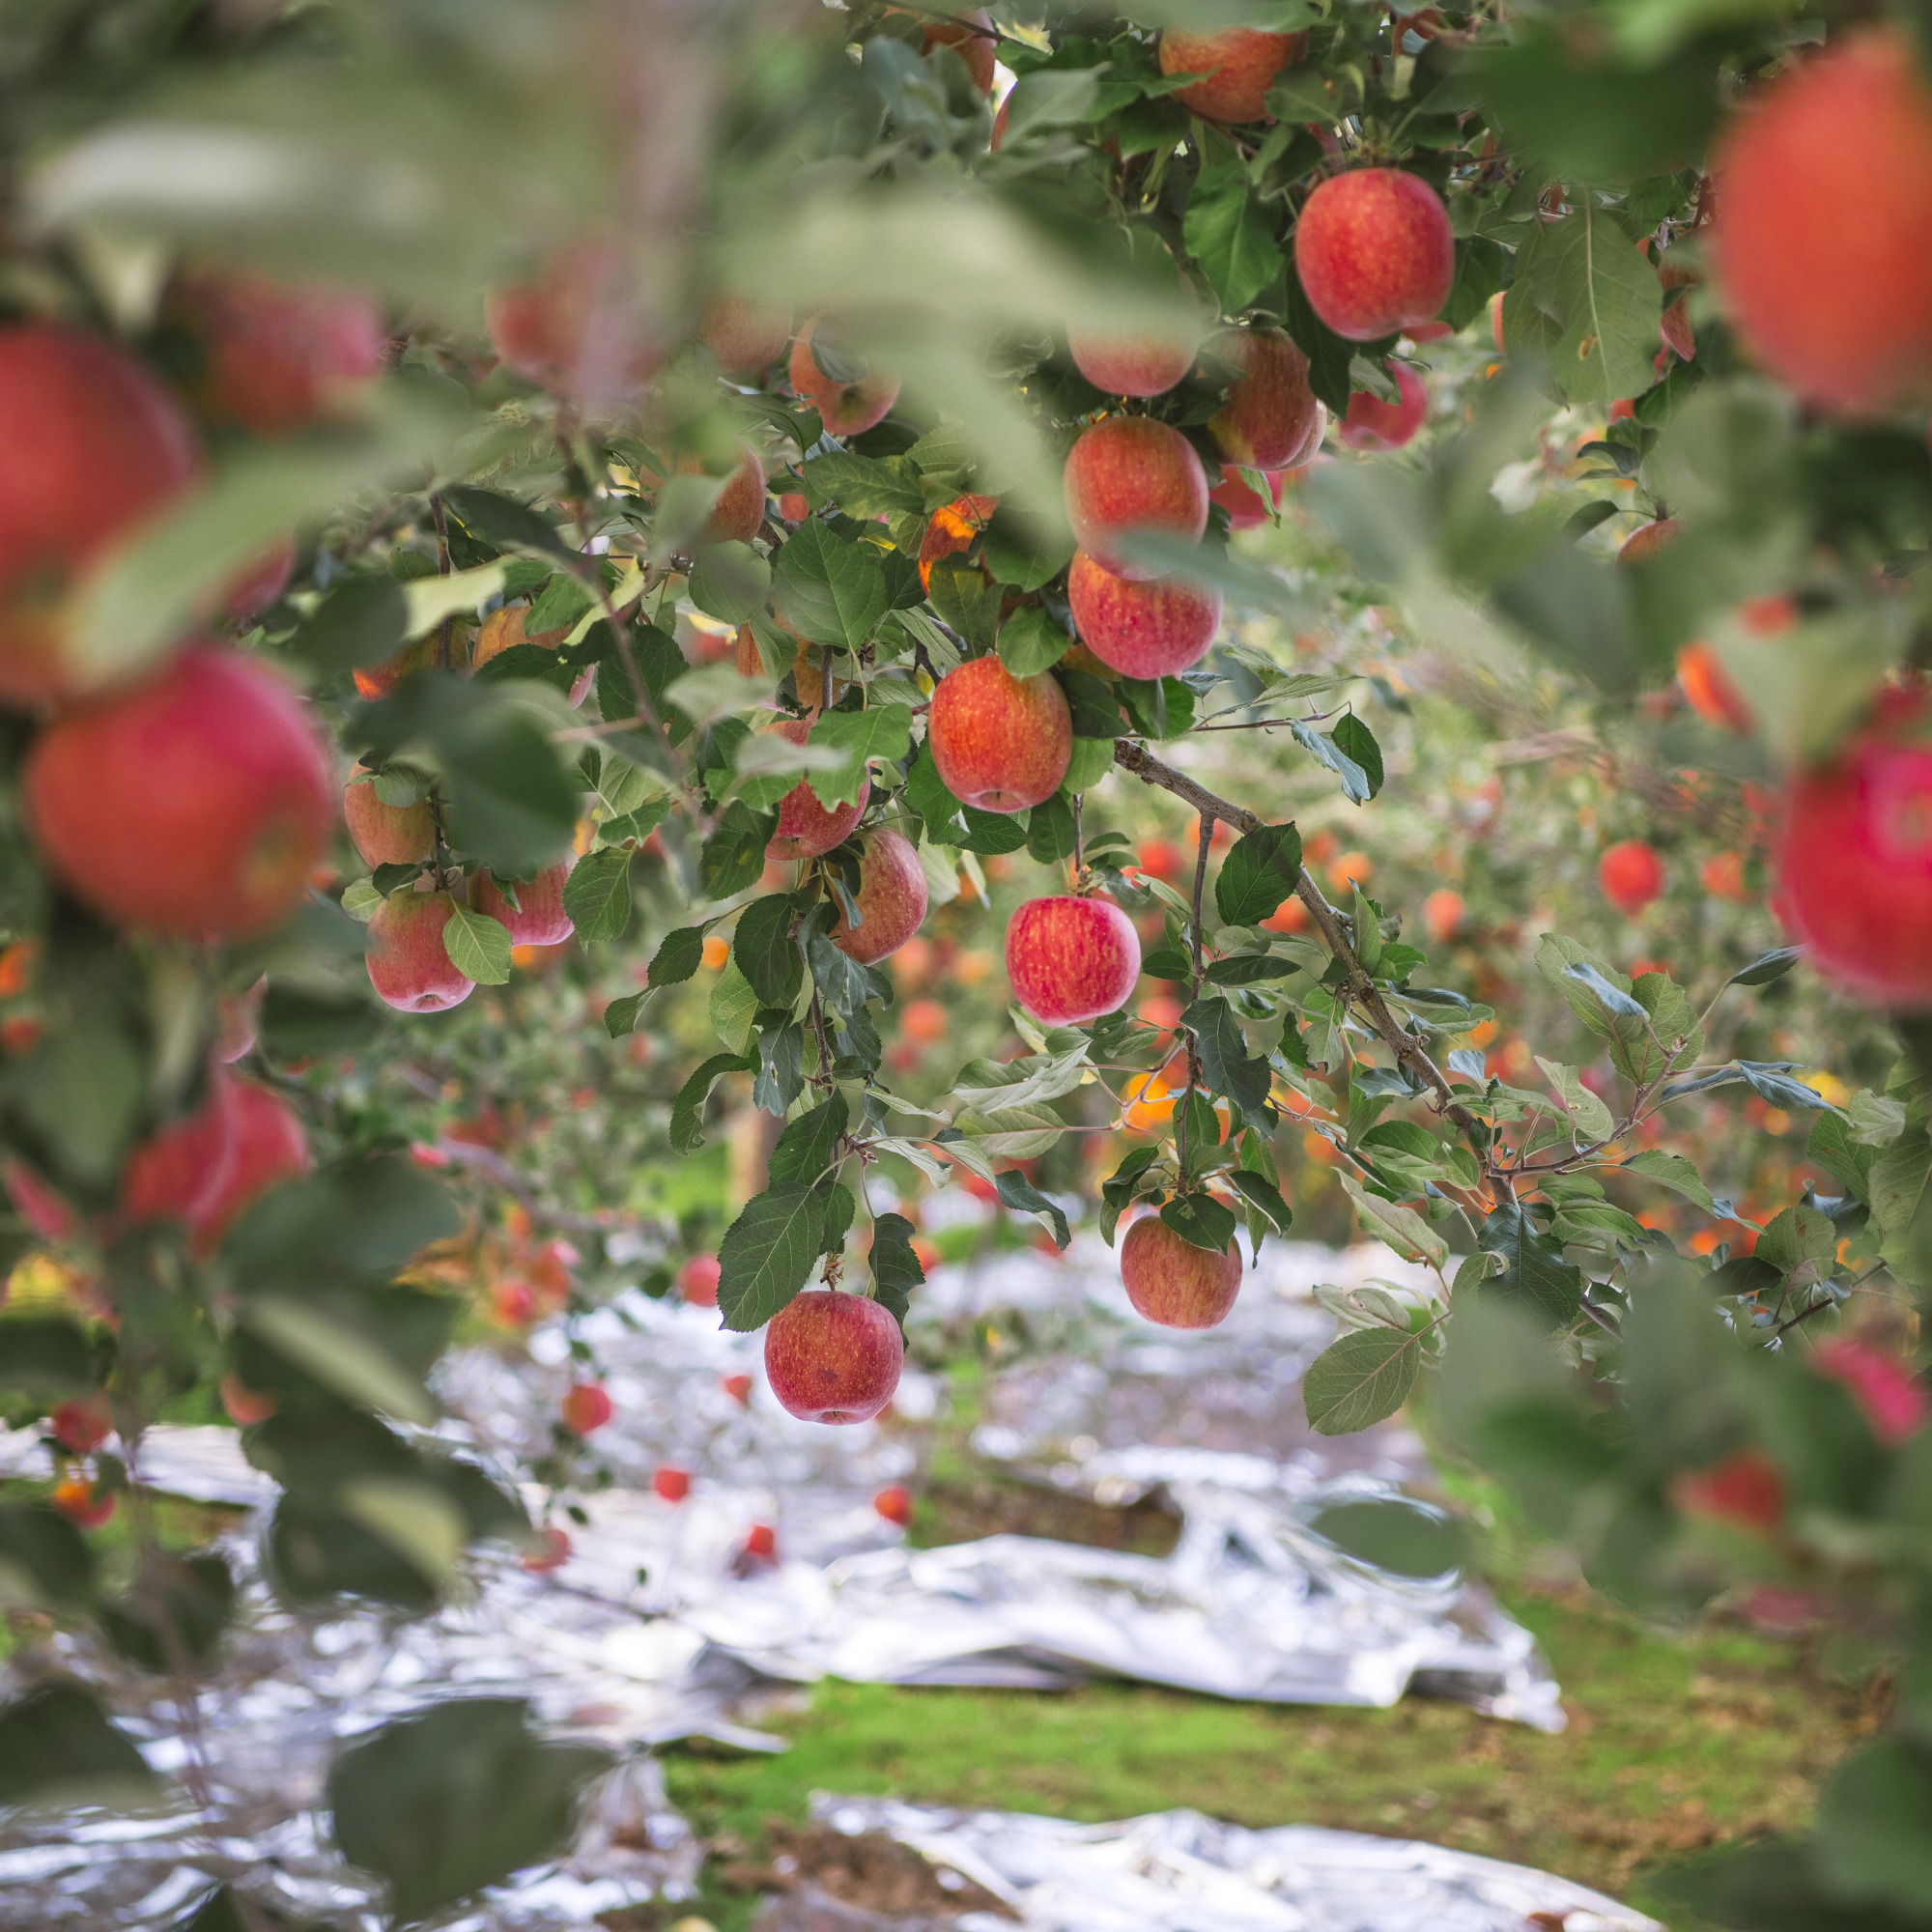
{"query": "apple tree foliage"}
[(1663, 1410)]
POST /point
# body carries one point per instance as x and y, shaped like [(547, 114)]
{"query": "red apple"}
[(1002, 743), (1631, 875), (503, 629), (408, 965), (1708, 687), (269, 1146), (745, 338), (1241, 64), (894, 1504), (578, 328), (672, 1485), (1893, 1400), (77, 1499), (1245, 510), (1648, 540), (1374, 252), (1130, 474), (193, 803), (1373, 424), (262, 582), (83, 1423), (1442, 913), (1853, 853), (385, 835), (1072, 960), (739, 513), (851, 397), (1152, 628), (698, 1281), (738, 1387), (1746, 1491), (373, 681), (245, 1406), (96, 447), (276, 356), (1271, 419), (1172, 1282), (833, 1357), (538, 917), (952, 529), (1821, 244), (179, 1170), (1131, 365), (892, 898), (806, 828), (587, 1407), (761, 1543), (972, 37), (551, 1551)]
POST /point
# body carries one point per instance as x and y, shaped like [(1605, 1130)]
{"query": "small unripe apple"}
[(1648, 540), (1172, 1282), (698, 1281), (269, 1146), (745, 338), (894, 1504), (587, 1407), (1128, 474), (833, 1357), (1131, 365), (808, 829), (1240, 65), (178, 1169), (538, 917), (1374, 252), (850, 397), (1631, 875), (193, 803), (1072, 960), (739, 513), (1001, 743), (96, 447), (1853, 853), (1373, 424), (1821, 242), (672, 1485), (408, 965), (1271, 419), (276, 356), (385, 835), (892, 898), (577, 329), (83, 1423), (1141, 629)]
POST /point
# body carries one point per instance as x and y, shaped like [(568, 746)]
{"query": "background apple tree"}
[(623, 421)]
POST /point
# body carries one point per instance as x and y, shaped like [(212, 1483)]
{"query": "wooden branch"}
[(1362, 992)]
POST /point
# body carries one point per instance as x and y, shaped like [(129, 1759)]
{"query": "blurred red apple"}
[(1373, 424), (1648, 540), (850, 395), (269, 1146), (1893, 1400), (178, 1169), (1129, 475), (578, 328), (193, 803), (833, 1357), (698, 1281), (552, 1552), (245, 1406), (1631, 875), (738, 1387), (408, 965), (1001, 743), (83, 1422), (745, 338), (1245, 510), (672, 1485), (262, 582), (1239, 63), (1131, 365), (1172, 1282), (1746, 1491), (1072, 960), (1141, 628), (587, 1407), (538, 917), (96, 447), (1374, 252), (739, 513), (894, 1504), (761, 1543), (892, 898), (76, 1499)]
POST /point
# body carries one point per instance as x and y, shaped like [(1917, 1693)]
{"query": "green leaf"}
[(45, 1354), (1599, 302), (597, 896), (1395, 1534), (1873, 1844), (733, 856), (359, 622), (895, 1267), (766, 952), (341, 1355), (1535, 1275), (1360, 1379), (834, 590), (44, 1561), (1402, 1228), (512, 804), (505, 523), (300, 1021), (883, 732), (1767, 967), (1261, 869), (1592, 1117), (804, 1150), (179, 1614), (1673, 1171), (733, 1008), (353, 1223), (1355, 784), (1050, 831), (1230, 231), (1092, 759), (58, 1748), (1357, 742), (478, 945), (1031, 643), (1019, 1194), (1226, 1065), (687, 1111), (677, 957), (620, 1016), (1261, 1193), (767, 1253), (729, 582), (1202, 1221), (1832, 1147), (456, 1799), (865, 486)]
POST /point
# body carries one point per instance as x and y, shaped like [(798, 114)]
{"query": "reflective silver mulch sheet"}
[(1177, 1871)]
